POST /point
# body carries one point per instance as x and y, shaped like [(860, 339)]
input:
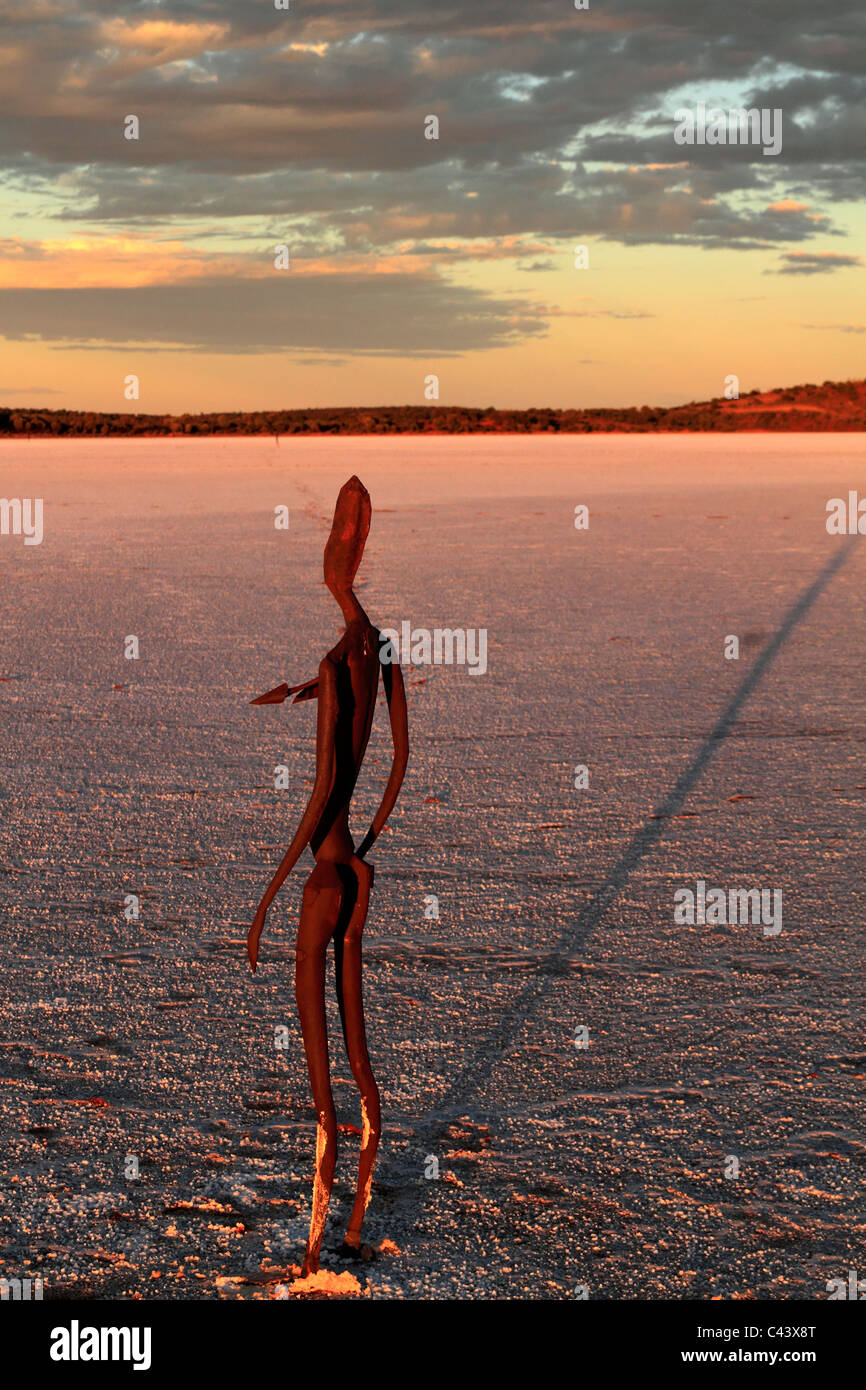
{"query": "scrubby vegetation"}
[(839, 405)]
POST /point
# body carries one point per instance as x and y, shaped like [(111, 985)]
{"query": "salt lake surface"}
[(607, 1167)]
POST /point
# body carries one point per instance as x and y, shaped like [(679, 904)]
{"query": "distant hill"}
[(835, 405)]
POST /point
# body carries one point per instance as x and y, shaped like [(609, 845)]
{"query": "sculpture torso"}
[(355, 660)]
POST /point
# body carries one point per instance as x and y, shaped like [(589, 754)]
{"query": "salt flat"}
[(603, 1167)]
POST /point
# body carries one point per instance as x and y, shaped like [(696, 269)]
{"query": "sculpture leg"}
[(347, 947), (323, 893)]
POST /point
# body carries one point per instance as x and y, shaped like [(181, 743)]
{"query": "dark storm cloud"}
[(393, 314)]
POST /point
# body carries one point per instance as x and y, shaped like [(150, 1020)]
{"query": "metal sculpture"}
[(336, 895)]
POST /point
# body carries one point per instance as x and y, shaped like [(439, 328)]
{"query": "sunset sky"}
[(409, 256)]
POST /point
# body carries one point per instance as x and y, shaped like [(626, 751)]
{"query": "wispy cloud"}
[(837, 327), (814, 263)]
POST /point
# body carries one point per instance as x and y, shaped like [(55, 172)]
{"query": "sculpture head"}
[(345, 546)]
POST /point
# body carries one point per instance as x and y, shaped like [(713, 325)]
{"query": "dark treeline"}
[(832, 406)]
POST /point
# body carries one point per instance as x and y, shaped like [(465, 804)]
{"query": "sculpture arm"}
[(325, 771), (308, 691), (395, 694)]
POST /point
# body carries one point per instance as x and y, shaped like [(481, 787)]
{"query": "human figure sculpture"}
[(337, 893)]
